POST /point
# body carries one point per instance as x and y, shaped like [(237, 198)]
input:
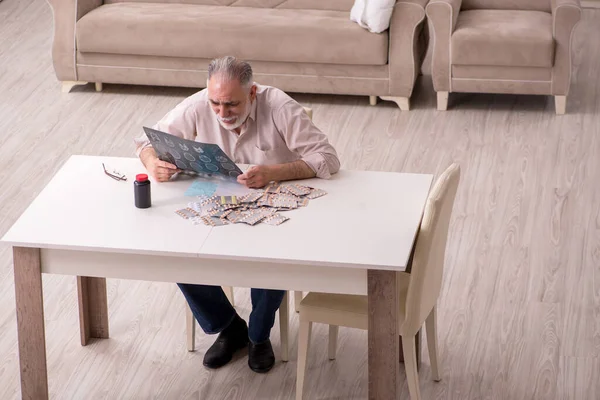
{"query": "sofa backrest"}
[(334, 5), (535, 5)]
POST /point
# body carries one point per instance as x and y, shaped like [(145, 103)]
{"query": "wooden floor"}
[(519, 313)]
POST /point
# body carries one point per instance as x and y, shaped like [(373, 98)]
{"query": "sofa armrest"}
[(405, 50), (442, 16), (565, 16), (66, 14)]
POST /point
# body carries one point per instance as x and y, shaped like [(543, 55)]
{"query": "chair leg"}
[(417, 345), (68, 85), (410, 364), (98, 86), (303, 345), (561, 104), (229, 293), (297, 299), (333, 335), (190, 328), (402, 102), (373, 100), (431, 328), (284, 319), (442, 101)]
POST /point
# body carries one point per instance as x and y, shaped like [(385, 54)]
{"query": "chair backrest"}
[(333, 5), (430, 248), (532, 5)]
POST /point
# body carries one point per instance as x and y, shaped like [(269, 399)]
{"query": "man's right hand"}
[(160, 170)]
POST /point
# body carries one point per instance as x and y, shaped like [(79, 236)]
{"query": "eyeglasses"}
[(116, 175)]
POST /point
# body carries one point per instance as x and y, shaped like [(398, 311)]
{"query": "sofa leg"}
[(561, 104), (68, 85), (442, 101), (373, 100), (98, 86), (403, 102)]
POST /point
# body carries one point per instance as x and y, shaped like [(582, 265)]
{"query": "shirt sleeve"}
[(303, 137), (181, 122)]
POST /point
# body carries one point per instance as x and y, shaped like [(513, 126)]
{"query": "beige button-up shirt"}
[(277, 131)]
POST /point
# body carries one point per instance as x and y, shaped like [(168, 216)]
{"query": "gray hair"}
[(231, 69)]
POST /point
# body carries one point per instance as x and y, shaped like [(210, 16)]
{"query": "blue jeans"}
[(214, 312)]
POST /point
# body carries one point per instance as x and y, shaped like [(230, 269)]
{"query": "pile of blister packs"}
[(259, 206)]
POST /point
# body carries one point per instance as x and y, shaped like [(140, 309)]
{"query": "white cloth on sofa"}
[(373, 15)]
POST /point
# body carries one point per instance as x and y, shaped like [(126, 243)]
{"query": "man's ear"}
[(253, 93)]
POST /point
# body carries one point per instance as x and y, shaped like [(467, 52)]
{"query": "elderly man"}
[(257, 125)]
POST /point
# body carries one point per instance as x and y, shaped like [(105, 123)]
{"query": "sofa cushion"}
[(537, 5), (335, 5), (260, 34), (503, 38)]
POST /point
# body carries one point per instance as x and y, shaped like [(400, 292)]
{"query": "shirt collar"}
[(253, 109)]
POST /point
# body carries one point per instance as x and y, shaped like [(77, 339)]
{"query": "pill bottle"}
[(141, 188)]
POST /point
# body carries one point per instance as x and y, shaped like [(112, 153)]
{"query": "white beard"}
[(239, 121)]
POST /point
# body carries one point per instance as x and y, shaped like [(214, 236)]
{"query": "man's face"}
[(230, 101)]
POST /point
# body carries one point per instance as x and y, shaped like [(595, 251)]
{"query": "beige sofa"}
[(308, 46), (502, 46)]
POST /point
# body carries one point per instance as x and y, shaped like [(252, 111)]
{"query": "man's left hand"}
[(256, 176)]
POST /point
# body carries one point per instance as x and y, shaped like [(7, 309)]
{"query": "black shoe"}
[(230, 340), (260, 356)]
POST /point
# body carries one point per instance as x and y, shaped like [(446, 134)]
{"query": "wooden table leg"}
[(93, 308), (30, 323), (383, 335)]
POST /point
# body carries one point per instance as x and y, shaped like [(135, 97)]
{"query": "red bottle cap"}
[(141, 177)]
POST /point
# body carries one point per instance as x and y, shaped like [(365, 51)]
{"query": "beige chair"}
[(283, 309), (418, 295), (502, 46)]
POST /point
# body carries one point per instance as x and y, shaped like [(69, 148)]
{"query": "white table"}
[(353, 240)]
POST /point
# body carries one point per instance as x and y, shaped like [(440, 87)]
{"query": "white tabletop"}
[(84, 209), (367, 219)]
